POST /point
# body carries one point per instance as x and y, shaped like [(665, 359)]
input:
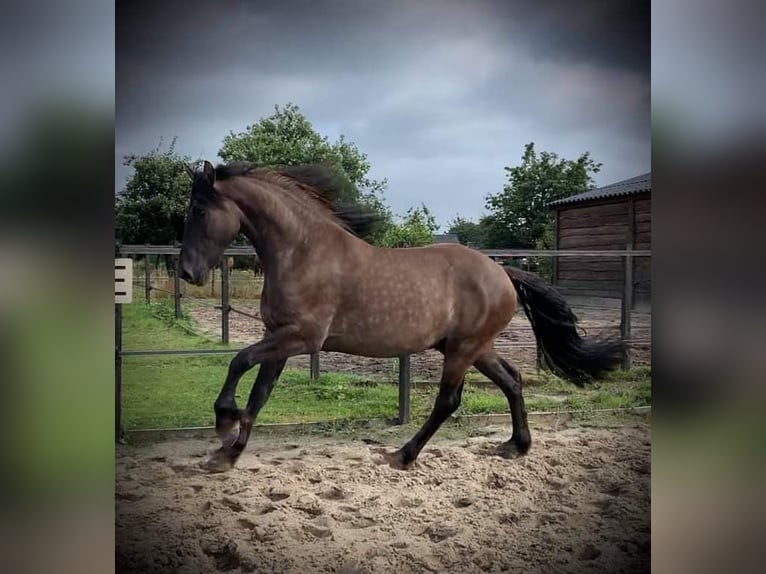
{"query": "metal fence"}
[(423, 368)]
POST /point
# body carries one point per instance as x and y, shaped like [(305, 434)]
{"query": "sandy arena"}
[(579, 502)]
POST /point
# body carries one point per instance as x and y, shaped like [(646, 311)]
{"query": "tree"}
[(488, 233), (468, 232), (497, 234), (522, 206), (152, 206), (416, 228), (287, 138)]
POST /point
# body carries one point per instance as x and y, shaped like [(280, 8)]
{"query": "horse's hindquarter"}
[(402, 301)]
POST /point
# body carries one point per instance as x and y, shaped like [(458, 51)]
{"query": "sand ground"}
[(578, 502)]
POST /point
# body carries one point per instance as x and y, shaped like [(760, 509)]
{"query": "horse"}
[(327, 289)]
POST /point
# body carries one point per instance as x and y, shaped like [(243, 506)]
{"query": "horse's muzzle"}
[(193, 278)]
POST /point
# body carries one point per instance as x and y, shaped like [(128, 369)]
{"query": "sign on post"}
[(123, 280)]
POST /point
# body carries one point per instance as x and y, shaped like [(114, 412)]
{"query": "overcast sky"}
[(439, 95)]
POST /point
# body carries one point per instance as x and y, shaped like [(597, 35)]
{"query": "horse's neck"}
[(280, 236)]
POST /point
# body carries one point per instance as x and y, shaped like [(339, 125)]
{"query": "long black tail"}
[(569, 355)]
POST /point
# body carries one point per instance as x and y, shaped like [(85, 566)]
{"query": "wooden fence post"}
[(314, 365), (404, 389), (627, 308), (147, 280), (225, 308), (555, 258), (177, 285), (539, 357)]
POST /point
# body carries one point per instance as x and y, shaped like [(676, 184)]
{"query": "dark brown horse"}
[(325, 289)]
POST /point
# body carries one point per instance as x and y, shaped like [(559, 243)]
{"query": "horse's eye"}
[(198, 211)]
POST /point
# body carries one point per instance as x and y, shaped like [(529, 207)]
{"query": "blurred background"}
[(57, 245)]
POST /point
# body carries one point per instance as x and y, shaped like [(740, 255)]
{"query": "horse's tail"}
[(569, 355)]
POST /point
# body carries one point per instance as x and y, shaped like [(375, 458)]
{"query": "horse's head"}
[(212, 223)]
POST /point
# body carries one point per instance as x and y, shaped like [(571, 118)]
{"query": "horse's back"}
[(466, 280)]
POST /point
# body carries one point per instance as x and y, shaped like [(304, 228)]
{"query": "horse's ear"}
[(209, 173)]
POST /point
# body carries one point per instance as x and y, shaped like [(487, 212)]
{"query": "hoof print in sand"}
[(232, 504), (275, 493), (462, 502), (590, 552), (334, 493), (309, 504), (322, 527), (246, 524), (439, 532), (409, 502)]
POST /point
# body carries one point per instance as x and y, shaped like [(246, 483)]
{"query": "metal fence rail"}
[(404, 369)]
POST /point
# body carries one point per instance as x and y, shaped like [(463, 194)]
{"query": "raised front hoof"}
[(228, 432), (396, 460), (219, 461)]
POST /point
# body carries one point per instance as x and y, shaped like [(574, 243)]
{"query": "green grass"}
[(178, 391), (155, 327)]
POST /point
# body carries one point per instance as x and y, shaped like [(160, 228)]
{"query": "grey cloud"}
[(440, 95), (51, 51)]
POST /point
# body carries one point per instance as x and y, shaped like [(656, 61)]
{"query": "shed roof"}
[(638, 184), (446, 238)]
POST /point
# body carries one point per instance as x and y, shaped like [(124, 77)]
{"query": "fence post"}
[(404, 389), (118, 372), (555, 258), (539, 358), (147, 280), (627, 308), (177, 285), (314, 367), (225, 308)]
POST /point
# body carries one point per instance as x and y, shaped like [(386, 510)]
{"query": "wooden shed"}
[(607, 218), (446, 238)]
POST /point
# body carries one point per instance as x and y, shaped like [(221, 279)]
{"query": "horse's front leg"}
[(232, 424), (268, 374)]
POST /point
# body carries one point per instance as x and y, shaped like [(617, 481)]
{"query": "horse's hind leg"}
[(508, 378), (458, 357)]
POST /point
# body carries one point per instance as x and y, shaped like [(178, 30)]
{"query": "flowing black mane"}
[(317, 182)]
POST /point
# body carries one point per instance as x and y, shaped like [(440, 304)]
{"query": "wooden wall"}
[(642, 268), (606, 225)]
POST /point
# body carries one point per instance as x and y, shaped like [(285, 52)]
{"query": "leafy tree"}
[(468, 232), (488, 233), (151, 207), (522, 206), (287, 138), (416, 228), (497, 235)]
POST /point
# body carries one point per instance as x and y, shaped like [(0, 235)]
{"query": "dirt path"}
[(579, 502), (424, 366)]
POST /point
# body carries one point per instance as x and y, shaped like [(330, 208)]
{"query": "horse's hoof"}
[(523, 442), (512, 449), (228, 433), (395, 460), (219, 461)]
